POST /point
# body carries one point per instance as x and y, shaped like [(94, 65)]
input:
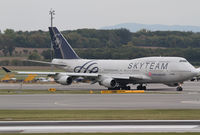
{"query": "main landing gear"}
[(120, 88), (140, 87), (126, 88)]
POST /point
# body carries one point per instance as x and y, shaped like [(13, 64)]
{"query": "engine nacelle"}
[(64, 80), (108, 82)]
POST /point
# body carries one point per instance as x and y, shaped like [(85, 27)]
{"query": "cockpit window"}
[(183, 61)]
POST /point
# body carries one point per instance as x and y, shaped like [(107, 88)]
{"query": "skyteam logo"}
[(57, 41), (88, 67)]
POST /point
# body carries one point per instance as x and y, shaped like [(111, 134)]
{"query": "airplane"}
[(115, 74)]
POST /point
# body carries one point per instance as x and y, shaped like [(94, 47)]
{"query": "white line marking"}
[(49, 129), (191, 102)]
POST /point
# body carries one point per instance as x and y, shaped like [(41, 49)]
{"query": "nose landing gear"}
[(179, 88)]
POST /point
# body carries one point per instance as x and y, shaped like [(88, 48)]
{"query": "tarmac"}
[(187, 86), (159, 97), (170, 99)]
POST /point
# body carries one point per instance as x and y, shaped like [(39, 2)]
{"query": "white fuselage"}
[(159, 69)]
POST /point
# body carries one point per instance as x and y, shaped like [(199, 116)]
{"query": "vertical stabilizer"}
[(62, 49)]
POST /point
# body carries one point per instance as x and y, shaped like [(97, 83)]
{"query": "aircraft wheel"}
[(179, 89), (116, 88), (140, 87), (125, 88), (128, 88), (144, 88)]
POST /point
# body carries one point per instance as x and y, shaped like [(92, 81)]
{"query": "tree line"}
[(109, 44), (92, 38)]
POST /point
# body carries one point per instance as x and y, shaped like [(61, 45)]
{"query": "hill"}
[(134, 27)]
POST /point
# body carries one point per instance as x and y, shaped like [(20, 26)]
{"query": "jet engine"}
[(108, 82), (64, 80)]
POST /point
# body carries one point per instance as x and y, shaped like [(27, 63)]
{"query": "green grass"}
[(21, 92), (99, 115), (105, 134)]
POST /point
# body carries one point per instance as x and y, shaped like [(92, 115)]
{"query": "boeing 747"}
[(115, 74)]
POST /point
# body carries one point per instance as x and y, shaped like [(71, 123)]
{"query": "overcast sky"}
[(76, 14)]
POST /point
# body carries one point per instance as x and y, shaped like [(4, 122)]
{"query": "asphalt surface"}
[(170, 99), (100, 102), (187, 86), (100, 126)]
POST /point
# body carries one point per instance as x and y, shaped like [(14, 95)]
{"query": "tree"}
[(7, 45), (47, 54), (34, 56)]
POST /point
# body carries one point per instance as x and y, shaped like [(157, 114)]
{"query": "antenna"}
[(52, 13)]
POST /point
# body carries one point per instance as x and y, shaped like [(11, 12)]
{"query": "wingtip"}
[(6, 70)]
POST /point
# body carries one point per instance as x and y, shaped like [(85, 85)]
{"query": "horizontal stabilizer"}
[(6, 70)]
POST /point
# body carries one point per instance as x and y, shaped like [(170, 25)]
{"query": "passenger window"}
[(183, 61)]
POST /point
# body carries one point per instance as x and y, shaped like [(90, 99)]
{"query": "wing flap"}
[(129, 77)]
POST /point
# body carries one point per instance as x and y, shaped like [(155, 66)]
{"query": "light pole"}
[(52, 13)]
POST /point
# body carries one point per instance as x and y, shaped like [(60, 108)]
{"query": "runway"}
[(100, 126)]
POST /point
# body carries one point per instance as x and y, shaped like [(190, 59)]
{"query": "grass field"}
[(22, 92), (35, 115)]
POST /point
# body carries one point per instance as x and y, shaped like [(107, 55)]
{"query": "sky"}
[(28, 15)]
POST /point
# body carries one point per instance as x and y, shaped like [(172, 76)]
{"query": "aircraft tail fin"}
[(62, 49)]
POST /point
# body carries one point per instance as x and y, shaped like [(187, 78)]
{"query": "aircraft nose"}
[(195, 72)]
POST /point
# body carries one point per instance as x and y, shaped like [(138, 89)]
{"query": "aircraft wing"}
[(114, 76), (44, 62), (53, 73)]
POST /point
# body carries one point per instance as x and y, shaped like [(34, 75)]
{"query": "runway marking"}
[(41, 127), (57, 103), (191, 102), (193, 93)]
